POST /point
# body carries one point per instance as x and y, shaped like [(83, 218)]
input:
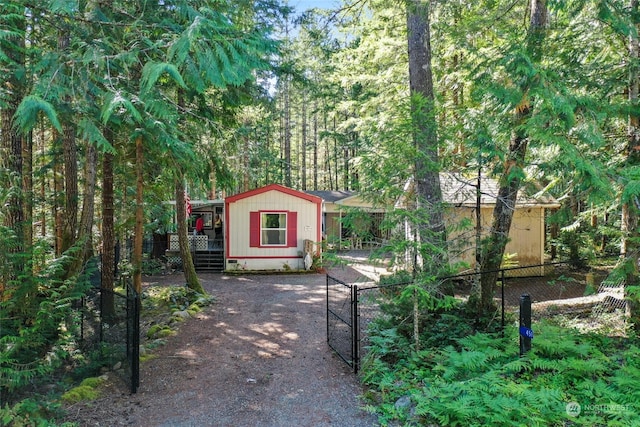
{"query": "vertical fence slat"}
[(355, 330), (133, 336), (327, 311)]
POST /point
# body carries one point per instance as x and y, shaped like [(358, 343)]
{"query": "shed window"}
[(268, 229)]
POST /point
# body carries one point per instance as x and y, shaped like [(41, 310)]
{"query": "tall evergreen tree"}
[(514, 163), (12, 64), (630, 244), (430, 225)]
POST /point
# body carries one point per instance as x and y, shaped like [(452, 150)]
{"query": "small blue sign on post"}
[(526, 332)]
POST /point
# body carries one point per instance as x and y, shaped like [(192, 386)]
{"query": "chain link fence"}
[(580, 296), (110, 329)]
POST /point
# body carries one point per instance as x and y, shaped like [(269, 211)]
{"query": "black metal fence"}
[(342, 332), (110, 329), (555, 289)]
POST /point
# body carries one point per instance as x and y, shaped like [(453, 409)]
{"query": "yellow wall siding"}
[(333, 227), (358, 202), (526, 234), (330, 207)]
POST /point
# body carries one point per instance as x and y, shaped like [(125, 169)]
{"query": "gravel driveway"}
[(257, 357)]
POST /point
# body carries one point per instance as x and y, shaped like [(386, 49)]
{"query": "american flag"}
[(187, 204)]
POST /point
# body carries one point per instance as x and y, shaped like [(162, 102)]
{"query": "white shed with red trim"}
[(265, 228)]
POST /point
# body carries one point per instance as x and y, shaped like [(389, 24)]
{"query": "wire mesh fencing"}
[(575, 294), (110, 329), (585, 297)]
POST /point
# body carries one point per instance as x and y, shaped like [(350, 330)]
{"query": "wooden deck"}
[(208, 256)]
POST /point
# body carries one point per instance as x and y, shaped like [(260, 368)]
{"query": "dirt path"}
[(257, 357)]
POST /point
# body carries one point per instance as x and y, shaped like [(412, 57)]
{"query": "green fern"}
[(117, 103), (152, 71), (482, 381)]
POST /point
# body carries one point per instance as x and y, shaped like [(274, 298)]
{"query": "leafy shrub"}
[(151, 266), (174, 298), (442, 318), (91, 363), (43, 323), (31, 413), (481, 380)]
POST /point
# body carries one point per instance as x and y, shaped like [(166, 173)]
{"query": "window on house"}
[(269, 229), (273, 229)]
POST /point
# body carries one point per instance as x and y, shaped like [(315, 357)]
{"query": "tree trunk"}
[(336, 160), (43, 184), (58, 193), (345, 159), (315, 146), (193, 282), (303, 142), (70, 215), (11, 144), (11, 158), (138, 232), (287, 132), (431, 236), (246, 160), (327, 156), (27, 189), (629, 222), (70, 162), (85, 230), (513, 170), (108, 237)]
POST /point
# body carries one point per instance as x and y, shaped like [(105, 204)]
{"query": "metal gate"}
[(342, 320)]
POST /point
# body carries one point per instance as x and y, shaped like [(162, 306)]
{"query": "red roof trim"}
[(274, 187)]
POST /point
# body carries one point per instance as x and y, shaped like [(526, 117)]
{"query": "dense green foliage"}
[(222, 96), (481, 380), (88, 82), (39, 322), (32, 413)]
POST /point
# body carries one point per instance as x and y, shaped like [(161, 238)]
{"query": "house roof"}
[(199, 203), (202, 204), (457, 189), (460, 190), (274, 187), (331, 196)]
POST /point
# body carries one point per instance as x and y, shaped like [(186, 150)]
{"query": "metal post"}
[(327, 283), (135, 381), (355, 329), (525, 324), (133, 335)]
